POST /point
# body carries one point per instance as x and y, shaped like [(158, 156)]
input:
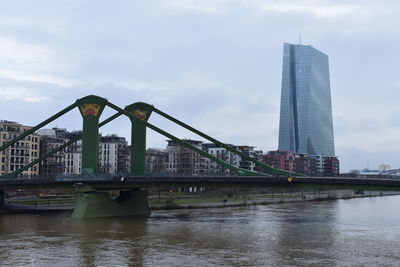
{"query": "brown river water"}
[(352, 232)]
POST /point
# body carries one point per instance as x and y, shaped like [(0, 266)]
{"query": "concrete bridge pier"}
[(99, 204)]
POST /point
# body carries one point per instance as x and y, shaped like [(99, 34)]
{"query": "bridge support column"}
[(99, 204), (141, 111), (91, 108)]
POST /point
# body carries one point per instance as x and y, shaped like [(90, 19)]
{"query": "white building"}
[(108, 157), (73, 162), (113, 156), (222, 154), (73, 157), (249, 151)]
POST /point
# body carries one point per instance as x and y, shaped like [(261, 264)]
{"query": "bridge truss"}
[(91, 108)]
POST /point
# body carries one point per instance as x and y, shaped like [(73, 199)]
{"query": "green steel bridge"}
[(132, 199)]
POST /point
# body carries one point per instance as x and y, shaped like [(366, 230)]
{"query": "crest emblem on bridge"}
[(140, 114), (90, 109)]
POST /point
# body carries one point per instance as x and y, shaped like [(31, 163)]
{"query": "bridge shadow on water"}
[(121, 240)]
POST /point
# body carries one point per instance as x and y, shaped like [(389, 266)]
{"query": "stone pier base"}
[(99, 204)]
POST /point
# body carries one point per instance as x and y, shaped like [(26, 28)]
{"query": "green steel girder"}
[(91, 108), (183, 143), (137, 121), (229, 148), (52, 152), (45, 156), (79, 102), (141, 111), (37, 127)]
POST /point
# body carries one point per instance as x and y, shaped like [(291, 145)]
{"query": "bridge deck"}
[(164, 181)]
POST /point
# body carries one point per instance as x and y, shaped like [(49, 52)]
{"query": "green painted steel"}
[(183, 143), (229, 148), (141, 111), (49, 154), (45, 156), (37, 127), (113, 117), (99, 204), (91, 108), (31, 131)]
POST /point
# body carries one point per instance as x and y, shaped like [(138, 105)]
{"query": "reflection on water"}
[(344, 232), (110, 242), (306, 233)]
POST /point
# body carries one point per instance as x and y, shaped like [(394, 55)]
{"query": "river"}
[(363, 232)]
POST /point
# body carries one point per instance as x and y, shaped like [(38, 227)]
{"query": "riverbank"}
[(187, 201), (263, 199)]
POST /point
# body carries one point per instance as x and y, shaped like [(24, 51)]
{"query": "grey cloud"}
[(211, 70)]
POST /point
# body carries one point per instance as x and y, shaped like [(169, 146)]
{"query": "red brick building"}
[(303, 163)]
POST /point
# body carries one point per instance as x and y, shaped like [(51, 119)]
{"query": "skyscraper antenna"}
[(299, 38)]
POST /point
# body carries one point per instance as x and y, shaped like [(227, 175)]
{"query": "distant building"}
[(303, 163), (187, 162), (113, 154), (375, 172), (21, 153), (249, 151), (330, 166), (283, 160), (184, 161), (316, 165), (156, 161), (306, 109), (73, 155), (73, 162), (222, 154), (51, 139)]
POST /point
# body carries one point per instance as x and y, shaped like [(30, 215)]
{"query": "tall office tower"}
[(306, 109)]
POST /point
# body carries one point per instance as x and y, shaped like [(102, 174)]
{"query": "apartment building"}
[(184, 161), (51, 139), (222, 154), (314, 165), (113, 154), (21, 153), (73, 155), (156, 160)]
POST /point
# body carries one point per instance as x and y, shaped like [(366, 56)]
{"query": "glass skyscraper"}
[(306, 109)]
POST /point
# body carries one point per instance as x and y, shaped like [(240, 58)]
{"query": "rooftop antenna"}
[(300, 38)]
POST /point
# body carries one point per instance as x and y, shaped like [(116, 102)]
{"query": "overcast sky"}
[(215, 64)]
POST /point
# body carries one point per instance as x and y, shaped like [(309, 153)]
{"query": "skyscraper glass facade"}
[(306, 109)]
